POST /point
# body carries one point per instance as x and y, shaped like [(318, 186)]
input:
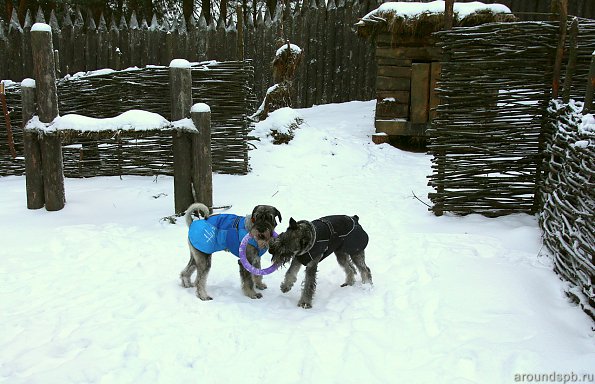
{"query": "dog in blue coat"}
[(309, 242), (225, 232)]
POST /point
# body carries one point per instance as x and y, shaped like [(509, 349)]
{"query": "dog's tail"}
[(199, 208)]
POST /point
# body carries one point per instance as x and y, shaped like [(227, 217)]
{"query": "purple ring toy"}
[(249, 267)]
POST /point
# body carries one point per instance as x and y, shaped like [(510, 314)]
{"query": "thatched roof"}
[(404, 19)]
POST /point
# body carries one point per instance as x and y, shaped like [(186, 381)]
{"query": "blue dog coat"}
[(220, 232)]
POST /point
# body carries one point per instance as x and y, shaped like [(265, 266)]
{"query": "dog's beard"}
[(279, 258), (262, 238)]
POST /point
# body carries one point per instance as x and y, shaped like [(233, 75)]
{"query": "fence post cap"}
[(41, 27), (179, 63), (28, 83), (200, 108)]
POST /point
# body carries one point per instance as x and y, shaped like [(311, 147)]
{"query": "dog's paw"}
[(347, 284), (261, 286), (305, 305), (204, 297), (253, 294), (286, 287)]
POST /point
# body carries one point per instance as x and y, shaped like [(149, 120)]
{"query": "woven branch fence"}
[(225, 86), (568, 196), (486, 139), (497, 150)]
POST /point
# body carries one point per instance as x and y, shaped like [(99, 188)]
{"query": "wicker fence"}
[(569, 199), (496, 149), (225, 86), (487, 137)]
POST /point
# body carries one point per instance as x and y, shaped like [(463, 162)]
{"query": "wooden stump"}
[(202, 162)]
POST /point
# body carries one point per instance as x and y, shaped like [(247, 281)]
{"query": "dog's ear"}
[(278, 214), (292, 223)]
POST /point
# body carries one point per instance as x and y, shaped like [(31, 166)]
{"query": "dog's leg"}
[(246, 277), (309, 284), (203, 266), (258, 279), (359, 258), (187, 272), (345, 262), (291, 275)]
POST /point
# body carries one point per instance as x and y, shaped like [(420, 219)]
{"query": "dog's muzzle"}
[(276, 251)]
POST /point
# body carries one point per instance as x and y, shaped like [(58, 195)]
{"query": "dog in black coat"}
[(309, 242)]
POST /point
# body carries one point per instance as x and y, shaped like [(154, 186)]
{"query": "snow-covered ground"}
[(91, 294)]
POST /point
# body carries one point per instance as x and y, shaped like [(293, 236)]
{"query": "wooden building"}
[(408, 59)]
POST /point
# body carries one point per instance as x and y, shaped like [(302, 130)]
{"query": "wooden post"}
[(449, 14), (570, 68), (32, 149), (560, 49), (201, 161), (240, 14), (57, 62), (180, 78), (47, 109), (43, 59), (589, 106), (9, 137)]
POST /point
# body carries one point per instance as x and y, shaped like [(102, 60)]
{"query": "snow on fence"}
[(568, 195), (225, 86), (486, 139)]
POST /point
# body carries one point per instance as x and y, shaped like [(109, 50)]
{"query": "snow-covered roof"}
[(420, 19), (415, 9)]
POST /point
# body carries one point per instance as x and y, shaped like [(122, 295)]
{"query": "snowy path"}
[(91, 294)]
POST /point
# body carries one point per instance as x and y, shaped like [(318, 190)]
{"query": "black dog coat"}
[(335, 233)]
